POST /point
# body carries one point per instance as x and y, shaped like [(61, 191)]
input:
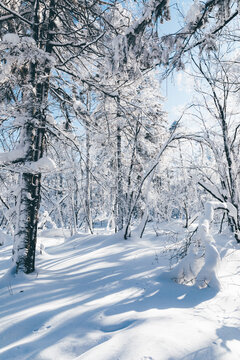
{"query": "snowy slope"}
[(103, 298)]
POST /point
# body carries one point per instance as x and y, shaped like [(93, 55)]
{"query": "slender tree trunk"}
[(234, 193), (231, 176), (185, 202), (119, 204), (88, 183), (119, 199), (149, 175), (129, 194)]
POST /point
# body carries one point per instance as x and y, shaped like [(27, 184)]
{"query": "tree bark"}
[(33, 136), (88, 183), (119, 198)]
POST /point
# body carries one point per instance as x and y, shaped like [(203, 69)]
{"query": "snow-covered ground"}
[(103, 298)]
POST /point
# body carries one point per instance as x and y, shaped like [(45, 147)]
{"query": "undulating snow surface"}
[(103, 298)]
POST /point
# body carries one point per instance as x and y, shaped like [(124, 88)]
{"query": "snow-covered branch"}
[(15, 14)]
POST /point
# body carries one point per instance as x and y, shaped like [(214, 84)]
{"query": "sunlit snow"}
[(101, 297)]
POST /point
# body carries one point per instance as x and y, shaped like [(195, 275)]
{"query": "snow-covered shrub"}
[(195, 268)]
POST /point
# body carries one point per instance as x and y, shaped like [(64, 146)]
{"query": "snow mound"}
[(11, 38)]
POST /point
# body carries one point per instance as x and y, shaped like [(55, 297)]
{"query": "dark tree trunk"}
[(33, 135), (119, 198), (88, 183), (26, 231)]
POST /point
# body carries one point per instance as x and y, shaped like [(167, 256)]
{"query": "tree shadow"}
[(205, 353), (165, 294), (228, 333), (101, 276), (224, 334)]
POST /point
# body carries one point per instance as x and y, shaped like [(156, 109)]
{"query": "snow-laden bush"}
[(197, 267)]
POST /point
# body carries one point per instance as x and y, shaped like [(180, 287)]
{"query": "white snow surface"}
[(99, 297), (13, 155), (44, 164), (194, 12), (11, 38)]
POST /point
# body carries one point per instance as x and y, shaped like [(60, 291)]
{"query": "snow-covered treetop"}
[(202, 22)]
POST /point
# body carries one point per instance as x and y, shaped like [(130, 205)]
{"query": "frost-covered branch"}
[(15, 14), (169, 50), (149, 175), (211, 189)]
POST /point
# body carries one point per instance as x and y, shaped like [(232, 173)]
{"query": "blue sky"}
[(175, 94)]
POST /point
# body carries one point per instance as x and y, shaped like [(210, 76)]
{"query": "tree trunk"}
[(33, 139), (88, 183), (119, 198), (25, 236), (129, 194), (234, 193)]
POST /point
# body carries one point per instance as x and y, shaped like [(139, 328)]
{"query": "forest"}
[(120, 175)]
